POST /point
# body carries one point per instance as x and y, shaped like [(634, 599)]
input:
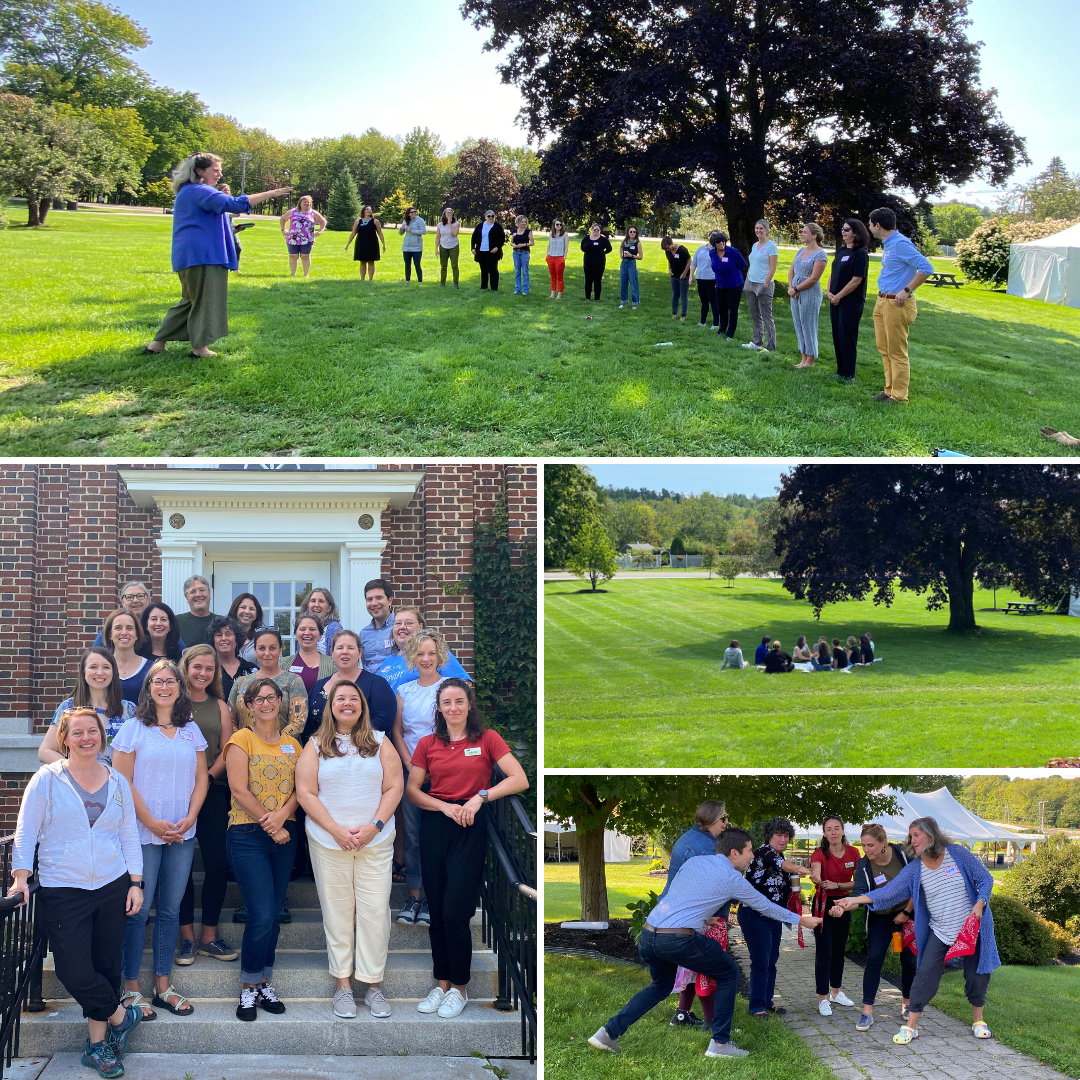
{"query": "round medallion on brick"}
[(365, 521), (177, 521)]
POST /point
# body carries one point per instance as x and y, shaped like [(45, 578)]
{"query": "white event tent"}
[(956, 821), (616, 846), (1047, 269)]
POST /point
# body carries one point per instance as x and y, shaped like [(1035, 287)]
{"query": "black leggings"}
[(452, 867), (879, 932), (706, 290), (728, 301), (831, 938), (212, 823), (594, 279), (489, 270)]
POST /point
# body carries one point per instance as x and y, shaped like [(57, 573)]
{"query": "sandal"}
[(137, 1001), (399, 872), (981, 1031), (905, 1035), (162, 1002)]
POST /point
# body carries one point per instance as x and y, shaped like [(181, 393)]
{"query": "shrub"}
[(984, 256), (1022, 937), (343, 206), (1049, 881), (1064, 942), (640, 913), (159, 193), (393, 207)]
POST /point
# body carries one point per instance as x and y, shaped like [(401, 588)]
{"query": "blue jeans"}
[(762, 936), (664, 953), (165, 874), (262, 870), (412, 814), (628, 282), (410, 258), (680, 291), (521, 272)]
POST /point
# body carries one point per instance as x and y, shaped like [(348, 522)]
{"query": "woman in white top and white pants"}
[(348, 780)]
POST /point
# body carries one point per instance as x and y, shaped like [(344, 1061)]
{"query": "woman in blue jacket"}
[(728, 265), (948, 884), (203, 253)]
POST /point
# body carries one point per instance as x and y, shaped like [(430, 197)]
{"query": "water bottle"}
[(897, 942)]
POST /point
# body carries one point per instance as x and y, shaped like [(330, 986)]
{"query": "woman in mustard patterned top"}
[(261, 840), (294, 698)]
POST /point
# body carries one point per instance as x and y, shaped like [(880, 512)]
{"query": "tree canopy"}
[(780, 105), (847, 533), (482, 181), (570, 499)]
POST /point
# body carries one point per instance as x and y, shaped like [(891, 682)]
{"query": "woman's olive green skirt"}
[(202, 316)]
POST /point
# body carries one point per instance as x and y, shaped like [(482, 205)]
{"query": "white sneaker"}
[(453, 1003), (622, 306), (824, 1008), (432, 1002), (841, 999), (750, 345)]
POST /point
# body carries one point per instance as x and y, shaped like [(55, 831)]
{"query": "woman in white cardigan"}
[(80, 814), (349, 782)]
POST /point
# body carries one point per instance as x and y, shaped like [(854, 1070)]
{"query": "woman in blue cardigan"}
[(203, 253), (948, 884)]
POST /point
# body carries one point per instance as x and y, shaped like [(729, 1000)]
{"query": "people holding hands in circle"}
[(298, 226), (367, 231), (832, 870), (949, 887)]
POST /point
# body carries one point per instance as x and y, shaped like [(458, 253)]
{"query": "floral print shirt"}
[(767, 876)]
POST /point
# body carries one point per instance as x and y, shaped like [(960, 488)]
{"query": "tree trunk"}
[(593, 575), (962, 602), (592, 881), (32, 209), (43, 210)]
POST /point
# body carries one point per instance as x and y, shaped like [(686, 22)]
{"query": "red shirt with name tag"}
[(459, 770), (834, 869)]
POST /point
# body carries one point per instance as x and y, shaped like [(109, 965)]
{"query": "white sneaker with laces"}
[(824, 1008), (842, 999), (453, 1003), (431, 1003)]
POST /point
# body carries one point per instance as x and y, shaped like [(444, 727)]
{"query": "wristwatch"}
[(137, 884), (483, 794), (378, 824)]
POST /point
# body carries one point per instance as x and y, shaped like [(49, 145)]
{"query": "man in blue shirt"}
[(377, 638), (672, 937), (903, 269)]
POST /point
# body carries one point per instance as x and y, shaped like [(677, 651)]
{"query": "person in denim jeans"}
[(261, 839), (672, 937), (630, 253), (521, 240), (412, 244)]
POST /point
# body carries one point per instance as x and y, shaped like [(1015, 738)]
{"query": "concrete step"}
[(302, 893), (300, 975), (214, 1029), (306, 931)]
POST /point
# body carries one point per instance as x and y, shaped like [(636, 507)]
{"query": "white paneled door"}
[(279, 586)]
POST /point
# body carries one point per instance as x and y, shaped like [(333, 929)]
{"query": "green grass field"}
[(632, 678), (331, 366)]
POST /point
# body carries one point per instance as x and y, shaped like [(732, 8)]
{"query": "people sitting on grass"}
[(822, 659), (866, 646), (839, 655), (778, 661), (854, 653), (762, 650), (733, 657), (801, 653)]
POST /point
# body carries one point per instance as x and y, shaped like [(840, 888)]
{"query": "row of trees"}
[(1050, 802)]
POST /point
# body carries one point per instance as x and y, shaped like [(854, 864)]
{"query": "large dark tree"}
[(571, 498), (848, 533), (795, 105), (482, 181)]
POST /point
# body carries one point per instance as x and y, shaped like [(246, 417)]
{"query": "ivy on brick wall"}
[(503, 586)]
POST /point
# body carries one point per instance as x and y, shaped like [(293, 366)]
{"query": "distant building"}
[(637, 549)]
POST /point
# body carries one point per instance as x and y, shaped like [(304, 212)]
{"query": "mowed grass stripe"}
[(331, 366), (632, 678)]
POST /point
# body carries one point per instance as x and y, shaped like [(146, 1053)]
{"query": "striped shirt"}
[(947, 898)]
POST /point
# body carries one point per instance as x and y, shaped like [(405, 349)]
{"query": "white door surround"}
[(209, 515)]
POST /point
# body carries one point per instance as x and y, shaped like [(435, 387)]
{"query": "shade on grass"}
[(632, 678), (331, 366), (580, 995)]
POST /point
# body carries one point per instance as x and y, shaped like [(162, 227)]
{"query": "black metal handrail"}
[(22, 951), (509, 909)]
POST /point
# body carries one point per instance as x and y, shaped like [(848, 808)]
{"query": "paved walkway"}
[(945, 1049)]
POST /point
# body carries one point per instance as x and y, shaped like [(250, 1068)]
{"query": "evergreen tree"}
[(343, 207)]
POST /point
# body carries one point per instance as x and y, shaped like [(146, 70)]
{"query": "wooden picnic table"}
[(1022, 607), (938, 279)]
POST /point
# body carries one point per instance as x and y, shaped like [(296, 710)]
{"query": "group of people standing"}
[(922, 897), (329, 750)]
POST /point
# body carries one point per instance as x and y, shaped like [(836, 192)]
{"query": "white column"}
[(177, 565), (361, 560)]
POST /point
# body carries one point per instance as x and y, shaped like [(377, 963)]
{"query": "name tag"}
[(288, 750), (950, 870), (848, 865), (723, 258), (186, 735), (473, 751), (844, 258), (297, 669), (880, 879)]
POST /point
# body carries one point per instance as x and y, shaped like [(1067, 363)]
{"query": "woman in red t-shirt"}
[(458, 760), (832, 870)]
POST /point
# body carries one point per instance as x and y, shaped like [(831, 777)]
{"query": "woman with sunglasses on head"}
[(847, 295), (160, 753), (446, 233), (77, 831), (248, 612), (294, 697), (224, 635), (487, 244), (832, 870), (458, 760), (123, 636), (97, 687), (710, 820), (367, 230), (260, 761), (163, 641), (557, 248), (201, 672)]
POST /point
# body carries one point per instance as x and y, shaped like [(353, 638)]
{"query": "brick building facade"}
[(71, 534)]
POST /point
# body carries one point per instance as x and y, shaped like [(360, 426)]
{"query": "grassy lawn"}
[(333, 367), (580, 995), (632, 678), (626, 884), (1033, 1010)]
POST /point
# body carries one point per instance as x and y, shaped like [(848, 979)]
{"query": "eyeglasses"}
[(135, 596), (266, 699), (163, 684)]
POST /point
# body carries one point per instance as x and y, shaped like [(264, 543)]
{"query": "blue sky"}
[(305, 70), (692, 479)]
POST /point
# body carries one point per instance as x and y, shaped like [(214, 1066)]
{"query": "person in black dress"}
[(596, 248), (847, 295), (487, 244), (367, 229)]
